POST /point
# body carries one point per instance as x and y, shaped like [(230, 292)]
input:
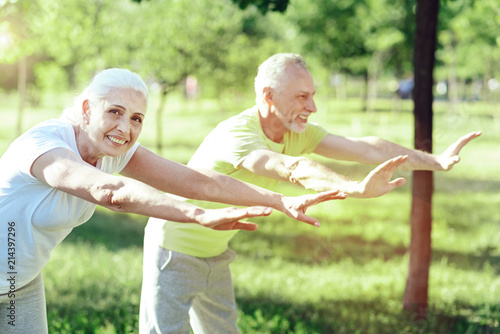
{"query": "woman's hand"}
[(228, 218), (296, 207)]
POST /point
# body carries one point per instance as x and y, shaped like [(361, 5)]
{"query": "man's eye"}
[(137, 119)]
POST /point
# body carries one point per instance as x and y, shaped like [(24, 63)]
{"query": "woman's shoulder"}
[(52, 124), (52, 127)]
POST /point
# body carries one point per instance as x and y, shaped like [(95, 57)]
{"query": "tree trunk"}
[(416, 294), (159, 118), (364, 94), (452, 80), (372, 72), (21, 91)]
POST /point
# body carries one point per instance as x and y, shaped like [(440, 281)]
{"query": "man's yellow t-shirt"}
[(224, 150)]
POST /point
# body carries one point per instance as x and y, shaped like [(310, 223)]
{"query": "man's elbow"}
[(293, 170)]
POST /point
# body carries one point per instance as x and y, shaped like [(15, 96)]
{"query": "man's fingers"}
[(397, 182), (392, 164), (464, 140), (455, 159)]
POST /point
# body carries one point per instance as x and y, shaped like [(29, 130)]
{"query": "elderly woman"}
[(55, 174)]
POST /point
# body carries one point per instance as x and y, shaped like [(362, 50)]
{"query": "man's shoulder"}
[(247, 118)]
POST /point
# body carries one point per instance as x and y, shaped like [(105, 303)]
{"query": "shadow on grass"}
[(94, 307), (110, 229), (471, 262), (97, 308), (104, 307), (117, 231), (262, 315), (311, 249)]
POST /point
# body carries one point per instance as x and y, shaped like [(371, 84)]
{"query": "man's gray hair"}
[(100, 87), (272, 70)]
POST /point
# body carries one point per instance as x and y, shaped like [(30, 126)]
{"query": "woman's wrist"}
[(193, 214)]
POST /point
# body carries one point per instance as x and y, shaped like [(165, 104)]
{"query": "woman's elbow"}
[(111, 196)]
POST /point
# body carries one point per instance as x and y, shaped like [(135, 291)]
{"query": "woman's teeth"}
[(116, 140)]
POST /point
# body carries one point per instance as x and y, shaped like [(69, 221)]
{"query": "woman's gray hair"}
[(100, 87), (271, 72)]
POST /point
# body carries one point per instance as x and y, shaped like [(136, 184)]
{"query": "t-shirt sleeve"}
[(34, 144), (315, 134), (239, 141)]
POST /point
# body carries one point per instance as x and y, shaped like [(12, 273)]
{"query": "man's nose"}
[(311, 106)]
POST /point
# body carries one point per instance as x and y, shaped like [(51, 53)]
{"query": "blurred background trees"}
[(353, 45)]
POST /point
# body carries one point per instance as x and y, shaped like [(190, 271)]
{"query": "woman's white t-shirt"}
[(35, 217)]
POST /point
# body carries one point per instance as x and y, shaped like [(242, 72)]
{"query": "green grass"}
[(348, 276)]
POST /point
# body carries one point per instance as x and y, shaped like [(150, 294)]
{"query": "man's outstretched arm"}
[(312, 174), (374, 150)]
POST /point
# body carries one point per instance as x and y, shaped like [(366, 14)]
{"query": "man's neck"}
[(271, 125)]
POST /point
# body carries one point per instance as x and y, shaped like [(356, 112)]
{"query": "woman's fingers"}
[(236, 225), (301, 216), (313, 199), (229, 218), (242, 213)]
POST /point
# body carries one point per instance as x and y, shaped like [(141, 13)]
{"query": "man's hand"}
[(449, 158), (296, 207), (378, 182), (229, 218)]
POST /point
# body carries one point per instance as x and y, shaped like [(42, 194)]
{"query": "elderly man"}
[(186, 266)]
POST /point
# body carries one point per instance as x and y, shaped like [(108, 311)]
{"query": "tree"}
[(20, 39), (416, 293), (264, 5), (471, 26), (180, 39), (78, 36), (358, 37)]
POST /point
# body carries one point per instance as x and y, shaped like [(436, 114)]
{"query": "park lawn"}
[(348, 276)]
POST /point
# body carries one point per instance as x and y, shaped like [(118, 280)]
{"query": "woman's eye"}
[(137, 119), (114, 111)]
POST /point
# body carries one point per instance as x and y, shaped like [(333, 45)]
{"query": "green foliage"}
[(221, 45), (50, 77), (264, 5), (469, 39)]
